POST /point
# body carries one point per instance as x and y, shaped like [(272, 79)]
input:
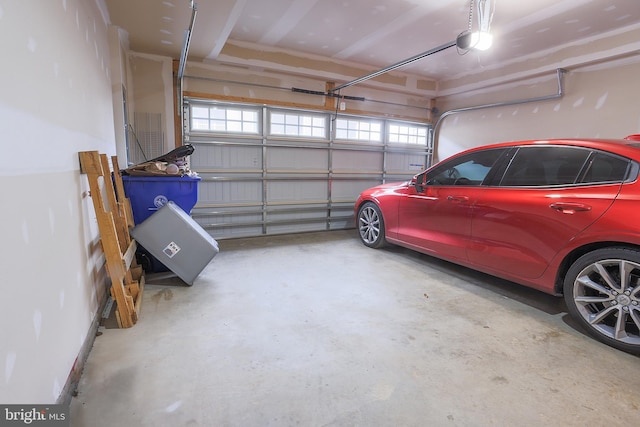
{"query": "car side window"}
[(469, 170), (540, 166), (603, 168)]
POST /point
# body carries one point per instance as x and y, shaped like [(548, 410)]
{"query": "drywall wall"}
[(599, 101), (55, 100), (253, 84), (118, 45), (152, 93)]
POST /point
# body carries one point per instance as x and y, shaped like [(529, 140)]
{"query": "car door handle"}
[(570, 208), (458, 199)]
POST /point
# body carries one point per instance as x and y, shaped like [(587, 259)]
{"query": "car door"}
[(435, 215), (547, 195)]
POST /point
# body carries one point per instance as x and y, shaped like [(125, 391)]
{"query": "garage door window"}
[(407, 134), (358, 129), (298, 125), (224, 119)]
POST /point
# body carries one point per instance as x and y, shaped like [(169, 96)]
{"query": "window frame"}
[(428, 177), (579, 175), (299, 114), (359, 121), (242, 109), (424, 139)]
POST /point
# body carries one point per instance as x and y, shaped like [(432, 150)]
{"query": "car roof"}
[(625, 147)]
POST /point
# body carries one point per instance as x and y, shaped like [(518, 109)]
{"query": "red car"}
[(560, 216)]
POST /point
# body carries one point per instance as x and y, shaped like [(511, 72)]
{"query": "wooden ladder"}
[(114, 220)]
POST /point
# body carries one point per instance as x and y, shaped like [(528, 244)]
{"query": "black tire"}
[(602, 292), (371, 225)]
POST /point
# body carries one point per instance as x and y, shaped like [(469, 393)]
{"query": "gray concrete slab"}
[(318, 330)]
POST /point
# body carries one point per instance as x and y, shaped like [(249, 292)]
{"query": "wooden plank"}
[(329, 101), (141, 284), (114, 237), (130, 254), (120, 222), (115, 267), (271, 102), (133, 288), (137, 272), (137, 275), (90, 163), (120, 194), (119, 320), (108, 183), (110, 245), (129, 213)]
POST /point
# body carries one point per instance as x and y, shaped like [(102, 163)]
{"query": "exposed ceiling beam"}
[(388, 30), (288, 21), (230, 22)]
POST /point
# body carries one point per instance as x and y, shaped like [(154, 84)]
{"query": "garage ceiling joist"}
[(341, 41)]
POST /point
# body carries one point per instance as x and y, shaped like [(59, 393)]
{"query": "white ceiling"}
[(367, 33)]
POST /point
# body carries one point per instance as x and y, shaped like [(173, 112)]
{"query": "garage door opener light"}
[(482, 39)]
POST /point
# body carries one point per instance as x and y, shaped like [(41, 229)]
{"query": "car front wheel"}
[(371, 225), (602, 291)]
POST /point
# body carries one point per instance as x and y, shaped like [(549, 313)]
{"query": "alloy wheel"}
[(606, 294)]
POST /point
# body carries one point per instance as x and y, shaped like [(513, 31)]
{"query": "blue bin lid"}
[(160, 178)]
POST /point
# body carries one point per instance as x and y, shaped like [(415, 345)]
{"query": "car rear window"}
[(603, 167)]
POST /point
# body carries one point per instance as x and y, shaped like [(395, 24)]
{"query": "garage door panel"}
[(341, 216), (320, 225), (221, 157), (293, 191), (227, 222), (297, 159), (301, 214), (302, 178), (235, 231), (349, 189), (403, 162), (350, 160), (215, 219), (225, 192)]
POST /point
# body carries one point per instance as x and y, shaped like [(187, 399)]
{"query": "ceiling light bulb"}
[(481, 40)]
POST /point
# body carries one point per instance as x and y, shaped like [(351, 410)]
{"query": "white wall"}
[(55, 100), (598, 102), (600, 95), (151, 91)]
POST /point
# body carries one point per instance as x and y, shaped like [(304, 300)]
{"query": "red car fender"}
[(598, 233), (391, 194)]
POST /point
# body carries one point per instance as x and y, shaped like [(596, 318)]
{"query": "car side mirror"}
[(418, 182)]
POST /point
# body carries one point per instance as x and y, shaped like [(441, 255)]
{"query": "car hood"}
[(385, 188)]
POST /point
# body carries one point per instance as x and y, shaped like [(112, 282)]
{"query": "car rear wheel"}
[(602, 291), (371, 225)]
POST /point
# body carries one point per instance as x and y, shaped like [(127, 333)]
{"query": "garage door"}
[(268, 170)]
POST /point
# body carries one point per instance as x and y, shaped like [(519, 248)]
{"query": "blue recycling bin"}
[(147, 194)]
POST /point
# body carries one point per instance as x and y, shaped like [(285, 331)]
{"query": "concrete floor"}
[(318, 330)]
